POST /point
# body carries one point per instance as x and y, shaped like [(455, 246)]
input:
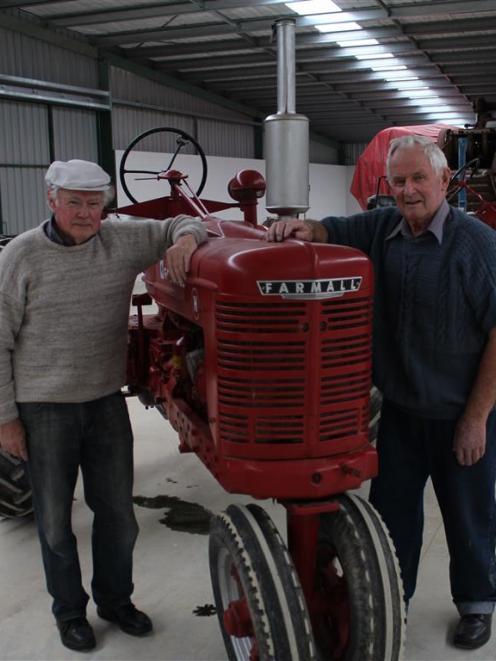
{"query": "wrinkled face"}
[(78, 213), (418, 189)]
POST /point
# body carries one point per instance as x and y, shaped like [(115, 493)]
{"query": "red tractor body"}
[(262, 362)]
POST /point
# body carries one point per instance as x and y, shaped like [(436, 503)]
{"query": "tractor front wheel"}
[(360, 614), (260, 604)]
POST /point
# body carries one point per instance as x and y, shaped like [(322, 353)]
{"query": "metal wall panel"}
[(321, 153), (25, 56), (127, 123), (125, 85), (74, 134), (23, 133), (226, 139), (24, 157), (352, 151), (22, 199)]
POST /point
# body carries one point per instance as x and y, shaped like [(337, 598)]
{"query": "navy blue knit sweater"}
[(434, 306)]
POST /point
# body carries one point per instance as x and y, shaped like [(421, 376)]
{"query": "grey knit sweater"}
[(64, 309)]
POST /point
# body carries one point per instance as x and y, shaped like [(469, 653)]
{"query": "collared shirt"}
[(436, 226), (53, 233)]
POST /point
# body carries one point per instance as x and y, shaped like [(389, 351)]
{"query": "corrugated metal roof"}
[(226, 47)]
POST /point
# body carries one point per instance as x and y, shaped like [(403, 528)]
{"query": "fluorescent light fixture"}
[(338, 27), (444, 115), (461, 121), (388, 67), (313, 7), (366, 53), (418, 94), (374, 56), (342, 17), (406, 85), (400, 76), (358, 42), (431, 101)]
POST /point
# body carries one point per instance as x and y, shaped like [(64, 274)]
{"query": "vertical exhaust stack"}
[(286, 136)]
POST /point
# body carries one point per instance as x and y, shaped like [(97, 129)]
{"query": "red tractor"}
[(262, 364)]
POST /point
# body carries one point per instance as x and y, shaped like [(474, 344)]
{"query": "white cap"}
[(77, 175)]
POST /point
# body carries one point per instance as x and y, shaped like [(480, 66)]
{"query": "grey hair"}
[(431, 150), (108, 195)]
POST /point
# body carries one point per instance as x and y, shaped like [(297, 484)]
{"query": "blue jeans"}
[(97, 437), (410, 450)]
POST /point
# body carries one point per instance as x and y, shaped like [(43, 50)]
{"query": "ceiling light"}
[(388, 67), (307, 7), (444, 115), (422, 93), (400, 76), (338, 27), (430, 101), (461, 121), (358, 42), (375, 56)]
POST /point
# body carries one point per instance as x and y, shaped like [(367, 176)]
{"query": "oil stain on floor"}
[(181, 515)]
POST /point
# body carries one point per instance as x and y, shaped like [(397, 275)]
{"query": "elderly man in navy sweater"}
[(435, 363)]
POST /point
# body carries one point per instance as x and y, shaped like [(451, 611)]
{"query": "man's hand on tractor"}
[(13, 439), (303, 230), (179, 258)]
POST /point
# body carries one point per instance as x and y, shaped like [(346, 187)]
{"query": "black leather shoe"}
[(129, 619), (473, 630), (77, 634)]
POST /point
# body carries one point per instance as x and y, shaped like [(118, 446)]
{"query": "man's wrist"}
[(187, 235), (318, 231)]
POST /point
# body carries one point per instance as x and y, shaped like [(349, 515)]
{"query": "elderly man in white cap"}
[(65, 288)]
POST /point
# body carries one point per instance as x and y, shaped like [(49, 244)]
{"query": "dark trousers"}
[(97, 437), (410, 450)]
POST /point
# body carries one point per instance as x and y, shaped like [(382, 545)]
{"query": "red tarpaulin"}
[(372, 162)]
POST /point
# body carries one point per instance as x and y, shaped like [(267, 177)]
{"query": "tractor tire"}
[(357, 574), (15, 490), (259, 600)]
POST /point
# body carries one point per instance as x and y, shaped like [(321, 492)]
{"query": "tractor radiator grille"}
[(261, 355), (279, 430), (258, 392), (260, 317), (336, 425), (336, 389), (346, 351), (346, 314), (236, 428), (278, 362)]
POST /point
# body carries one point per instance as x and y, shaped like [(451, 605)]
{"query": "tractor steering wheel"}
[(183, 140)]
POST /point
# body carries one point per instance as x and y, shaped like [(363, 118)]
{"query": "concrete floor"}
[(172, 575)]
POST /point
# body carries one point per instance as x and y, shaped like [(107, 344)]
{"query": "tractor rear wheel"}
[(15, 490), (259, 600), (357, 578)]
